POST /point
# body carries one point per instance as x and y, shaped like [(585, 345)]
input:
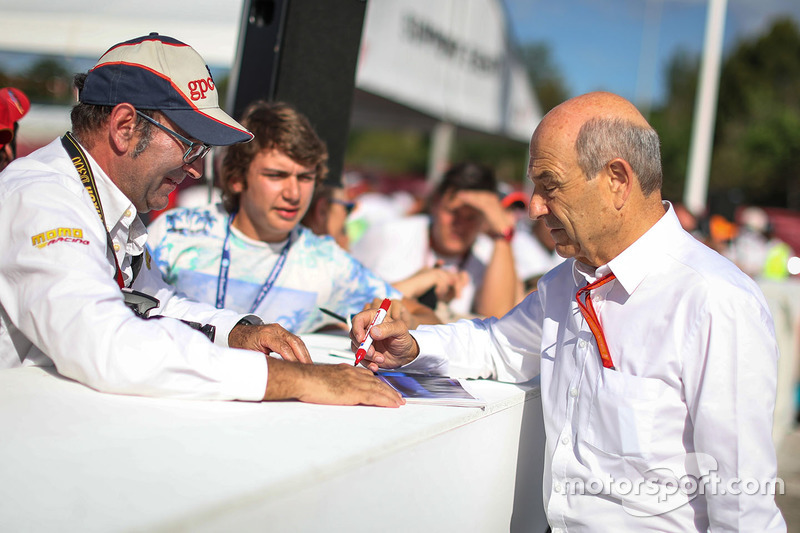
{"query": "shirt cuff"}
[(245, 376), (431, 358), (225, 326)]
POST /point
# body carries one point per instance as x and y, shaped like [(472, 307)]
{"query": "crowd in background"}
[(365, 201), (359, 213)]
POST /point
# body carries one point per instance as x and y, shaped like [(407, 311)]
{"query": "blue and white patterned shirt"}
[(187, 247)]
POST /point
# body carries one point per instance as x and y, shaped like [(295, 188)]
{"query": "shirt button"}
[(565, 440), (127, 213), (116, 247), (573, 392), (582, 344), (557, 487)]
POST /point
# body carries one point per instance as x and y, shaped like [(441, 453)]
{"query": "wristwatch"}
[(506, 234), (250, 320)]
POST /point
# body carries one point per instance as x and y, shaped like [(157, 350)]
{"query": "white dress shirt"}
[(691, 398), (60, 303)]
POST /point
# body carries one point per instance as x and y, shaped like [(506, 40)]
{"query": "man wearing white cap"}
[(77, 287)]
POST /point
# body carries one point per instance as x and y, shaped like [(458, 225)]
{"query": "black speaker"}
[(303, 52)]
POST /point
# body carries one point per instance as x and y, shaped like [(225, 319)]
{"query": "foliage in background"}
[(397, 152), (757, 133), (389, 153), (757, 137), (544, 75), (46, 81), (508, 158), (759, 119), (673, 122)]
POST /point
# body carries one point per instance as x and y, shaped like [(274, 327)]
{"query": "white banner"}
[(450, 59)]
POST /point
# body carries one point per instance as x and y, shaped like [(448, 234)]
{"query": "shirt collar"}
[(639, 259), (117, 208)]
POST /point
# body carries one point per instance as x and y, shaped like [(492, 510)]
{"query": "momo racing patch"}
[(70, 235)]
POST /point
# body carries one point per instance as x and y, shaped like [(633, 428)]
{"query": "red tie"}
[(587, 309)]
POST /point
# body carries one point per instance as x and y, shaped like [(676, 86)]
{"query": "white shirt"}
[(60, 303), (692, 394)]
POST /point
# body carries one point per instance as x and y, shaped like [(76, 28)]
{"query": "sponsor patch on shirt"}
[(71, 235)]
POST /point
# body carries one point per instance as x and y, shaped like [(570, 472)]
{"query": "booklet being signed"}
[(435, 390)]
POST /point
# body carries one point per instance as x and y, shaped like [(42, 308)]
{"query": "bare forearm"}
[(285, 380), (499, 290), (416, 285), (420, 314)]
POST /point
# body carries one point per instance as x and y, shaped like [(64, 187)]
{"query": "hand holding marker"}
[(367, 342)]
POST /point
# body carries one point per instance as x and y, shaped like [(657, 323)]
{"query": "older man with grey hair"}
[(657, 356)]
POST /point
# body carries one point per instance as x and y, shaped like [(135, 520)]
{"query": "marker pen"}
[(367, 342)]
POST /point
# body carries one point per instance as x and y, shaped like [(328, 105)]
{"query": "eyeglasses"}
[(348, 206), (195, 150)]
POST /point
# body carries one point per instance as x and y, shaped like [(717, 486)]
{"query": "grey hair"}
[(146, 131), (600, 140)]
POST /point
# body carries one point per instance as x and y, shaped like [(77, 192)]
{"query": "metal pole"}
[(442, 139), (705, 110)]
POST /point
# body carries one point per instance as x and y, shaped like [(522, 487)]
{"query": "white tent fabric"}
[(449, 59), (421, 61)]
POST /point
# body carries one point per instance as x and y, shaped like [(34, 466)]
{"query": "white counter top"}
[(73, 458)]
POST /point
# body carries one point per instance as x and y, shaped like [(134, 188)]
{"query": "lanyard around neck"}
[(225, 264), (87, 179), (587, 309)]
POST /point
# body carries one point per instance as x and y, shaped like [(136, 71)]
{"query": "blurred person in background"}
[(14, 105), (532, 245), (328, 213), (250, 253), (461, 251), (756, 249)]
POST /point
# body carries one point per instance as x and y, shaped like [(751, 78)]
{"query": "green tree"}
[(673, 121), (757, 131), (544, 75), (390, 151), (508, 158), (48, 81), (758, 121)]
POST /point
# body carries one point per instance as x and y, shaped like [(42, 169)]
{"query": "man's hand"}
[(269, 338), (392, 346), (497, 218), (448, 283), (397, 311), (328, 384), (408, 310)]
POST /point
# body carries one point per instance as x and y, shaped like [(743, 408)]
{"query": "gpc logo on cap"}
[(157, 72)]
